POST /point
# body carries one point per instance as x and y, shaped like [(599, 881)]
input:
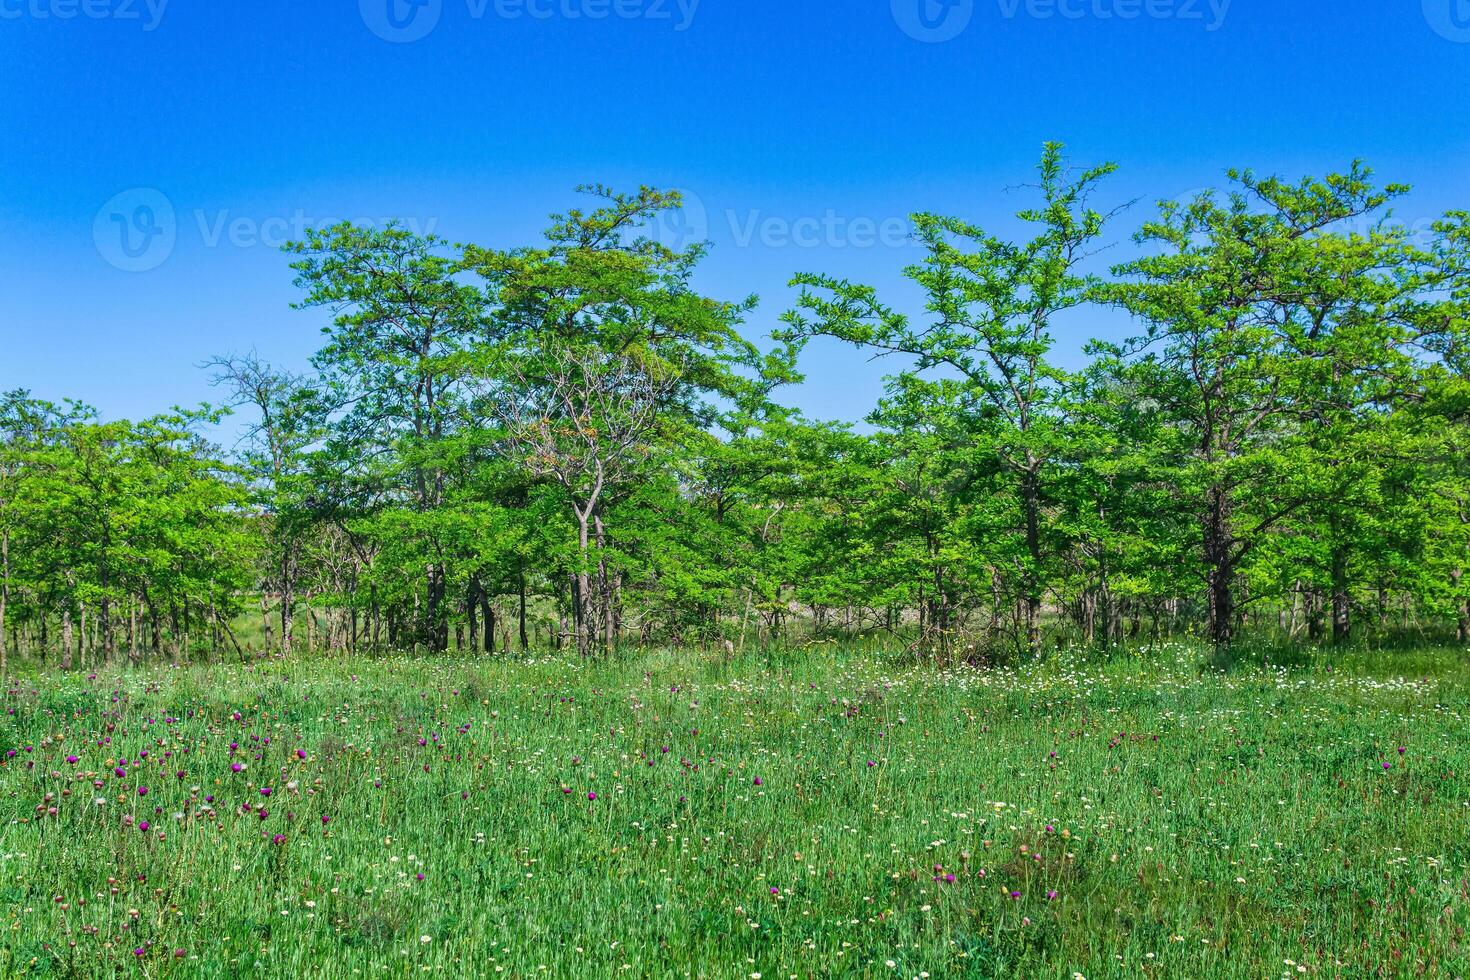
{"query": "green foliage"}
[(572, 444)]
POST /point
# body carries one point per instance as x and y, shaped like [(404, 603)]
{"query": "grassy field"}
[(671, 815)]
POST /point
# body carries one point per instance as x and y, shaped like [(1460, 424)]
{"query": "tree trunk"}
[(288, 605), (438, 623), (582, 587), (487, 611), (66, 638), (1031, 509), (471, 600), (1462, 608), (1219, 544), (4, 599), (265, 616), (606, 588), (1341, 604), (524, 641)]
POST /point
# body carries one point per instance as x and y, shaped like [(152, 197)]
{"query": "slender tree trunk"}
[(1031, 511), (265, 616), (1341, 603), (437, 626), (606, 589), (66, 638), (582, 595), (1462, 608), (487, 612), (288, 603), (4, 599), (525, 644), (1219, 542), (471, 604)]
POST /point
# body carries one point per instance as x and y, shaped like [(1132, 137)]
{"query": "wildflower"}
[(591, 795)]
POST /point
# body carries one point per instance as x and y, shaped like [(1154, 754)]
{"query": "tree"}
[(401, 318), (1240, 306), (601, 350), (290, 417), (991, 311)]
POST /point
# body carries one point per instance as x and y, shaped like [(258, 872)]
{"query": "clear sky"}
[(804, 131)]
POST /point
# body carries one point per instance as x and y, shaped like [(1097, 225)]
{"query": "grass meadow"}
[(815, 813)]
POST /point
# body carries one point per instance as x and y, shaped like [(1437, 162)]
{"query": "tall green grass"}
[(1128, 814)]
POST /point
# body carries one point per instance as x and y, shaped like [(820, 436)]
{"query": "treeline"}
[(571, 444)]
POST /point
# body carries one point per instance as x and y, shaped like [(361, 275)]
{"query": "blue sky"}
[(804, 131)]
